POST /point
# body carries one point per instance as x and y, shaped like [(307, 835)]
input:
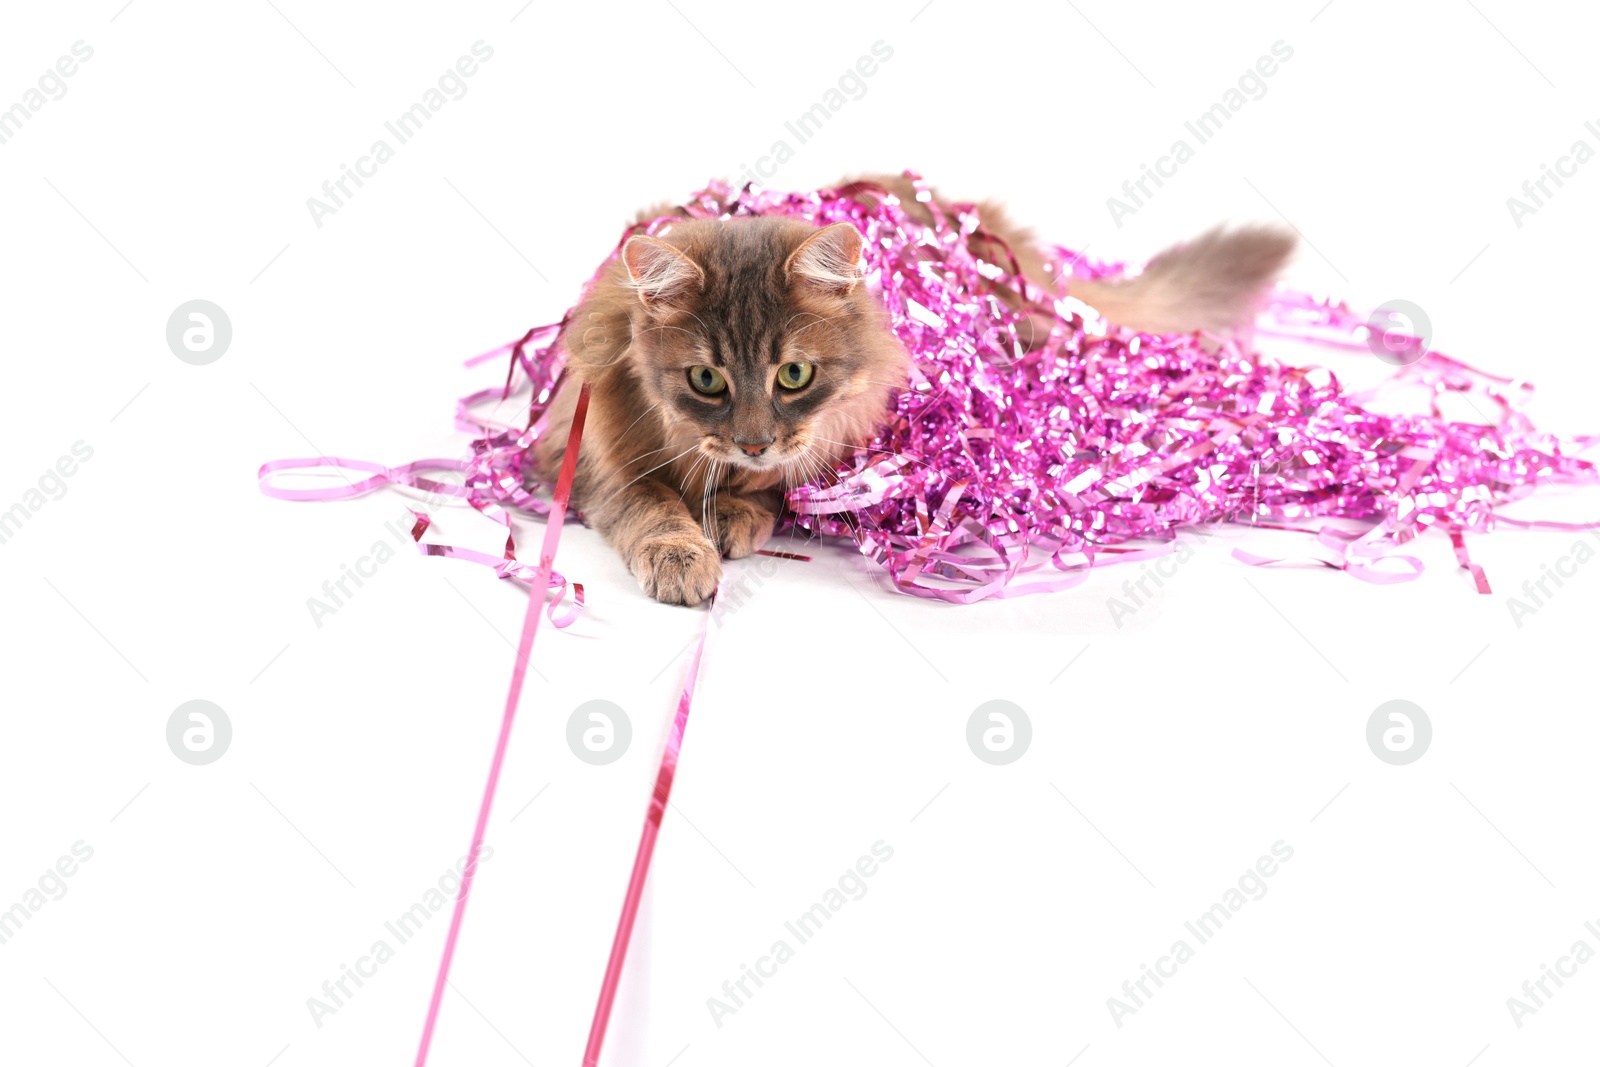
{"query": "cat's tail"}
[(1213, 283)]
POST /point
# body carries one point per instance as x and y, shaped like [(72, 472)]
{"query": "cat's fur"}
[(675, 480)]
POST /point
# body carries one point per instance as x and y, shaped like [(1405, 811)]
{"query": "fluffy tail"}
[(1213, 283)]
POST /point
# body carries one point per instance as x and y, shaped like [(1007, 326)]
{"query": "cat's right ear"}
[(661, 274)]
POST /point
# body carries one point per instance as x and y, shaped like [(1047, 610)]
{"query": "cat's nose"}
[(753, 446)]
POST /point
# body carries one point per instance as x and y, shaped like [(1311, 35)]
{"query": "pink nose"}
[(753, 446)]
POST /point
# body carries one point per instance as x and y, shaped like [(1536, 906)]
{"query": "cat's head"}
[(758, 341)]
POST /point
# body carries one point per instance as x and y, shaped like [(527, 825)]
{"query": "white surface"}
[(833, 712)]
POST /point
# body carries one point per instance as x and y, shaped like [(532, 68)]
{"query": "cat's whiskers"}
[(705, 486), (816, 471), (643, 455), (799, 464), (688, 477), (845, 516), (658, 466), (716, 519), (635, 422), (879, 451), (708, 499), (651, 452)]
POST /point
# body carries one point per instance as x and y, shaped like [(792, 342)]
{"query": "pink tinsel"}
[(1010, 462), (1030, 441)]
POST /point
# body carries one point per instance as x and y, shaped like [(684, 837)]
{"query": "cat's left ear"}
[(829, 259), (661, 274)]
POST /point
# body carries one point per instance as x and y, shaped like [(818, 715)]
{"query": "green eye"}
[(795, 375), (707, 381)]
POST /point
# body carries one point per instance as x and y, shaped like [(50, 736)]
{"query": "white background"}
[(1170, 754)]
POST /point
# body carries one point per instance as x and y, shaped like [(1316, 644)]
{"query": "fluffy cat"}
[(731, 359)]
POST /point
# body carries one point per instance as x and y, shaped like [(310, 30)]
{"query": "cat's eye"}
[(795, 375), (707, 381)]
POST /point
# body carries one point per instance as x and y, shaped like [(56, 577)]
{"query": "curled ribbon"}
[(378, 476)]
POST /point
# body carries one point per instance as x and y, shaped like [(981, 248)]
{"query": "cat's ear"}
[(661, 274), (828, 260)]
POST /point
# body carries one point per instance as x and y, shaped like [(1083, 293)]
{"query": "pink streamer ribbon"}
[(665, 773), (519, 670)]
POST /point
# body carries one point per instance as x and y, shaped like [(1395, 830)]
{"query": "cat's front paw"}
[(743, 525), (680, 569)]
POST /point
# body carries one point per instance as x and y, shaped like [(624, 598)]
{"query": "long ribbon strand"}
[(647, 846), (519, 670)]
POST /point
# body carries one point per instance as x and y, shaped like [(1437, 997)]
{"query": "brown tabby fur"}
[(667, 475)]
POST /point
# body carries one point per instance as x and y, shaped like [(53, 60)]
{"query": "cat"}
[(729, 360)]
